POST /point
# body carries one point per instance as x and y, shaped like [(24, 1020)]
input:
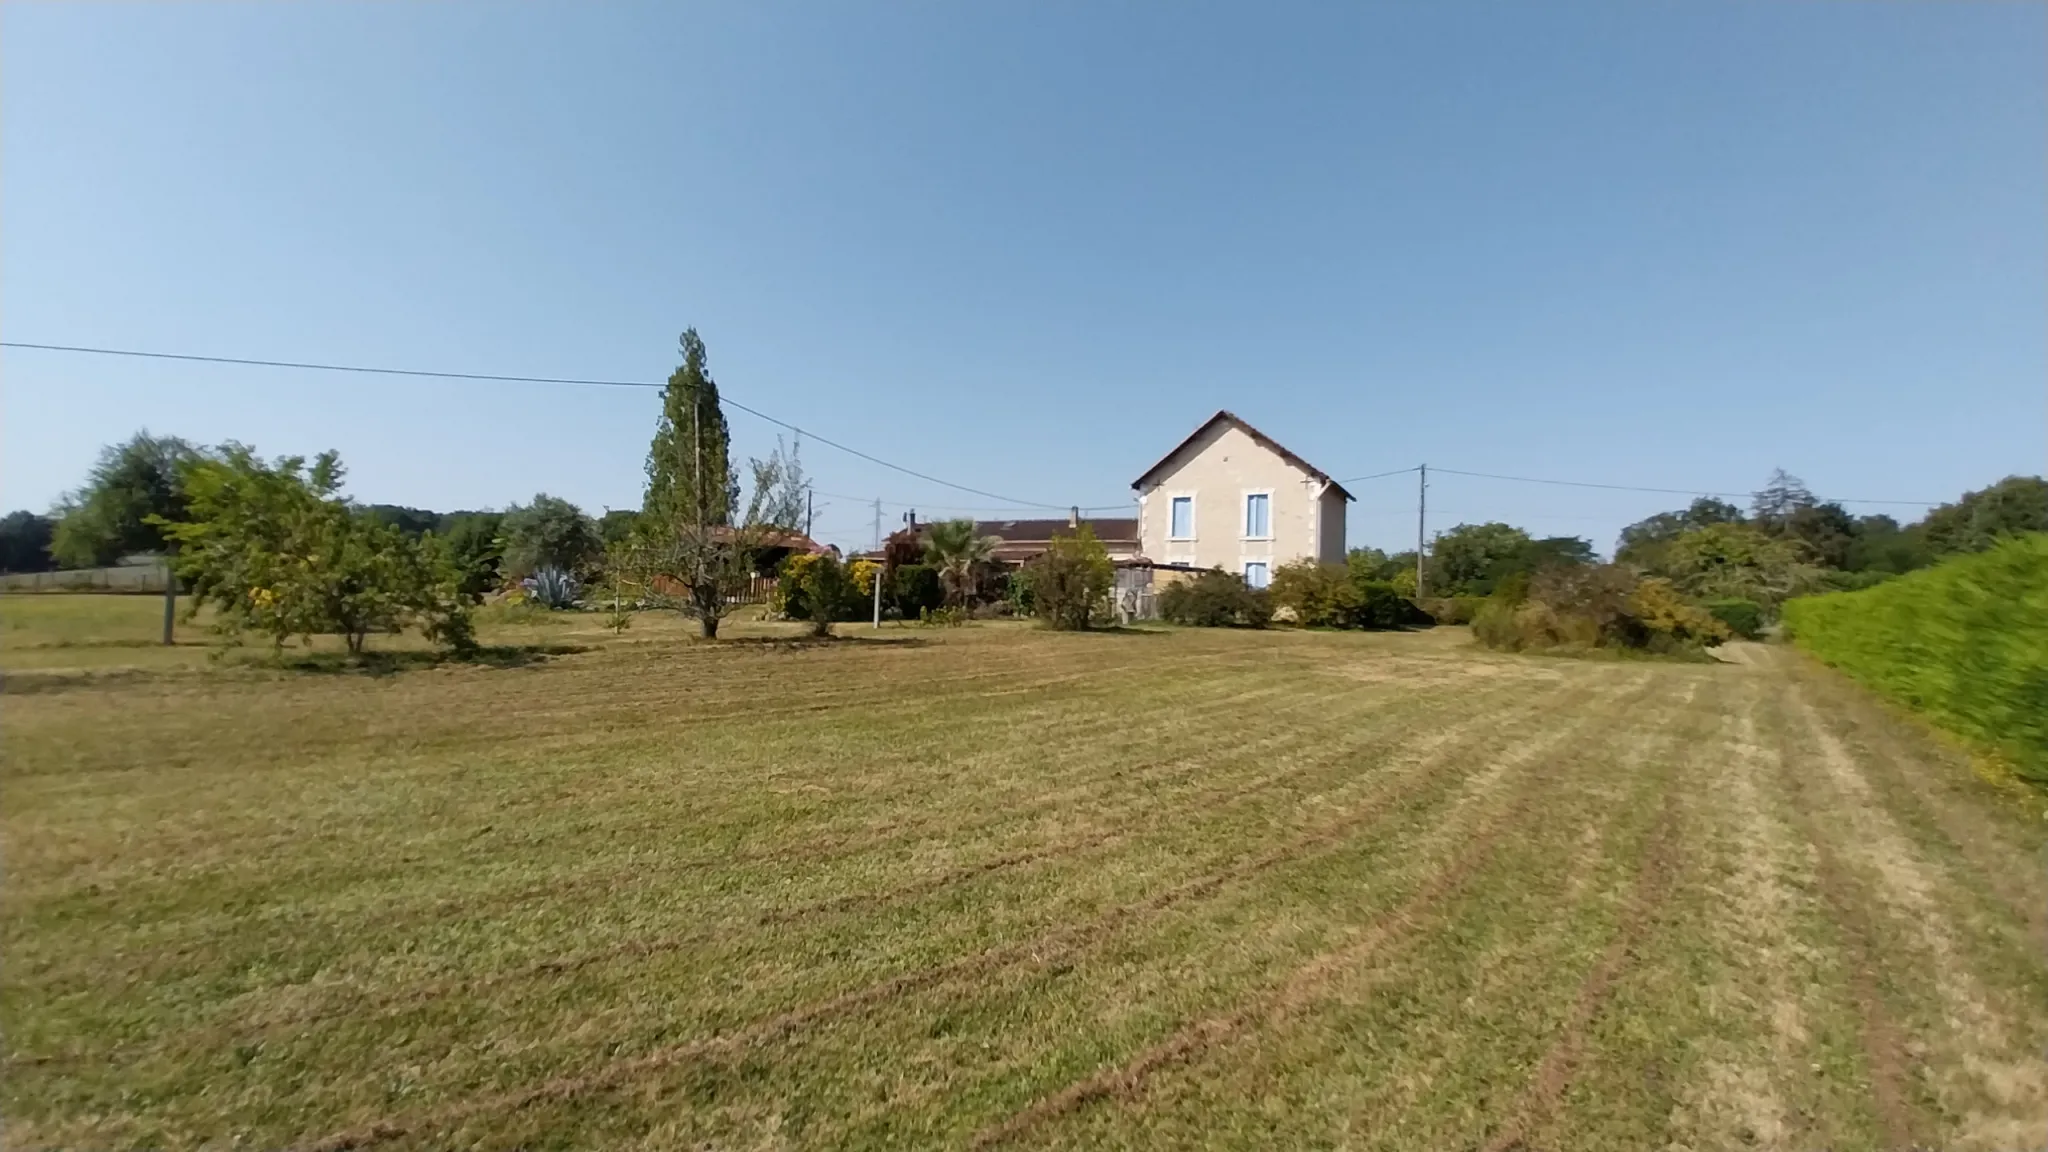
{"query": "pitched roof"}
[(1024, 539), (769, 538), (1270, 444), (1126, 529)]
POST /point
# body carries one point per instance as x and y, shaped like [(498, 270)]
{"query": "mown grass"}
[(1005, 887)]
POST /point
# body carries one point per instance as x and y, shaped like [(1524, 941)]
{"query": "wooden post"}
[(170, 602)]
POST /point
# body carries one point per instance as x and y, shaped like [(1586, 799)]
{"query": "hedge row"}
[(1965, 642)]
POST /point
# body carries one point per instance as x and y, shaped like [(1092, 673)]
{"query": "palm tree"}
[(952, 547)]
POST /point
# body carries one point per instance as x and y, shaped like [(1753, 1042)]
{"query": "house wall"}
[(1332, 527), (1219, 470)]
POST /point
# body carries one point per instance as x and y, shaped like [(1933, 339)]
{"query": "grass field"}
[(1001, 887)]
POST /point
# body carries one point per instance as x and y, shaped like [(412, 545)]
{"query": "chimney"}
[(1074, 516)]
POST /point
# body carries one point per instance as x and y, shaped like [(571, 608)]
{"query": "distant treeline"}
[(1787, 543)]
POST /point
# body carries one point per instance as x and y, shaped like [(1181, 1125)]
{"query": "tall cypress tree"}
[(690, 480)]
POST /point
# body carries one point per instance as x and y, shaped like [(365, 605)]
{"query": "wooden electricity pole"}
[(1421, 526)]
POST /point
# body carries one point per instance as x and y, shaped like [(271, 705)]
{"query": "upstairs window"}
[(1257, 516), (1182, 526)]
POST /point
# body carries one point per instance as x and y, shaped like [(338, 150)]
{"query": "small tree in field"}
[(276, 551), (684, 551), (1070, 582)]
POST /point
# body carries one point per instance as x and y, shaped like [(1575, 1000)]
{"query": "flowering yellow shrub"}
[(863, 573)]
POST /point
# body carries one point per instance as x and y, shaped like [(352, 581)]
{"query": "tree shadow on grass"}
[(389, 663), (796, 643)]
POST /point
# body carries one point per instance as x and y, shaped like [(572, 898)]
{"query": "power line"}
[(361, 369), (962, 507), (1010, 502), (1377, 476)]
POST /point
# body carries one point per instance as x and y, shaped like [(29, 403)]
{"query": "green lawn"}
[(998, 886)]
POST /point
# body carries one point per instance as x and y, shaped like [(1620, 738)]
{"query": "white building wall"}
[(1331, 544), (1219, 471)]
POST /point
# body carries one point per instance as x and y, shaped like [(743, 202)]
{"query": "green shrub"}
[(912, 589), (951, 616), (1595, 606), (1314, 595), (1215, 599), (1017, 592), (817, 588), (1833, 581), (1256, 610), (1744, 618), (1452, 609), (1662, 620), (1071, 580), (1380, 606), (1341, 596), (1965, 642)]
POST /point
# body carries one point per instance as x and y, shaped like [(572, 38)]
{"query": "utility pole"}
[(697, 495), (881, 568), (810, 510), (1421, 525)]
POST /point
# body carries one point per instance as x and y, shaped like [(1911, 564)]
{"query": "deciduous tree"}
[(1465, 561), (2014, 505), (784, 493), (25, 542), (275, 550), (1070, 580), (133, 487), (549, 532)]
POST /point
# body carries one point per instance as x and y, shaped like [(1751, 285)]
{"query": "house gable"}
[(1209, 433), (1231, 497)]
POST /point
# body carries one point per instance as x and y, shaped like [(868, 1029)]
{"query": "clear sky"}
[(1027, 247)]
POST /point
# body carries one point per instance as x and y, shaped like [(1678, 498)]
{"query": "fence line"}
[(124, 578)]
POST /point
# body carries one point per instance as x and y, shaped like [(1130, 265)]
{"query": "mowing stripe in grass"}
[(1653, 879), (1305, 984), (1928, 786), (1439, 739), (1040, 950), (1994, 1093)]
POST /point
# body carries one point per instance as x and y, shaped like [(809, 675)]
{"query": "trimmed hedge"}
[(1964, 642)]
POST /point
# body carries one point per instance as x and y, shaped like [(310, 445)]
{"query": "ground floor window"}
[(1257, 574)]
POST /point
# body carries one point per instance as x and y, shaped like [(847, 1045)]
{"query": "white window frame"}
[(1262, 562), (1194, 519), (1245, 513)]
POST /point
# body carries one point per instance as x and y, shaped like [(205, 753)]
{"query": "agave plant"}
[(553, 588)]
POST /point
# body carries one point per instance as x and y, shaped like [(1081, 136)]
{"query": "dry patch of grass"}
[(996, 885)]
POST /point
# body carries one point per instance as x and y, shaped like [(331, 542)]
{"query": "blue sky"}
[(1027, 247)]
